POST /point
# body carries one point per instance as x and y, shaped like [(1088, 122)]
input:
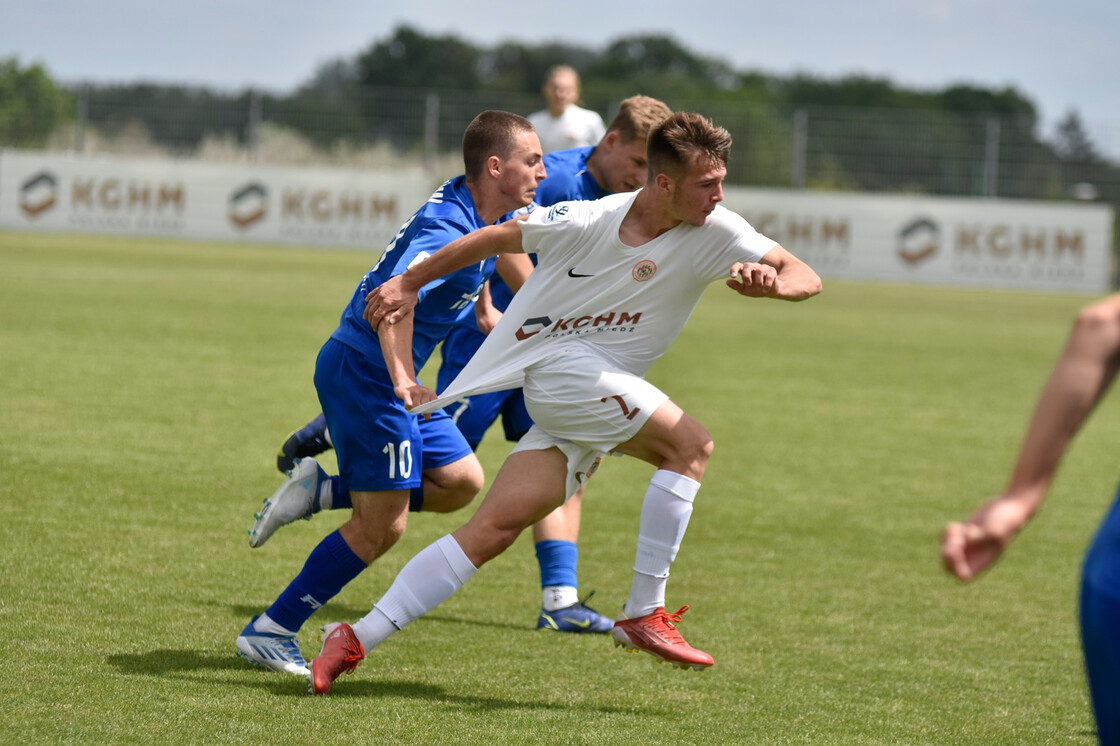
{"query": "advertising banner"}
[(900, 238), (948, 241), (236, 202)]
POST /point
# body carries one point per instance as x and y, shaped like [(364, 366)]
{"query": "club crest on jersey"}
[(644, 270)]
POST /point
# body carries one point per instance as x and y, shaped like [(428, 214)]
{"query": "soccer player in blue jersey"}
[(388, 457), (1080, 379), (617, 164)]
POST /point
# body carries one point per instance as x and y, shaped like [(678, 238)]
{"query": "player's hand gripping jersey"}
[(448, 214), (626, 304)]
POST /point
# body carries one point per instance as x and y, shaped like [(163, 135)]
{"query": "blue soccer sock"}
[(559, 583), (332, 496), (416, 499), (331, 565)]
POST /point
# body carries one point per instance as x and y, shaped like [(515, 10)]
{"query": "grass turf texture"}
[(146, 385)]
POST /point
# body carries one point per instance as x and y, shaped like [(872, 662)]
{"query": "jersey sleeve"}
[(556, 229), (734, 240)]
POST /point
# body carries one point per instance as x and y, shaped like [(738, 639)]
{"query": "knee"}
[(453, 490), (370, 536), (693, 450)]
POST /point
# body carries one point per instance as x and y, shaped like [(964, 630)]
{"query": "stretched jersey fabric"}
[(568, 179), (448, 214), (626, 303)]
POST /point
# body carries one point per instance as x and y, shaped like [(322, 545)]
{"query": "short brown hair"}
[(683, 137), (490, 133), (638, 115)]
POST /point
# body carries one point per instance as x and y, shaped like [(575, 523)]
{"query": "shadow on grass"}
[(173, 662), (163, 662), (341, 613)]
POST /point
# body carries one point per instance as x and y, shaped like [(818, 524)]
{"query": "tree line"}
[(931, 139)]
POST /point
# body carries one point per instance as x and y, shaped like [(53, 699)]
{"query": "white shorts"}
[(586, 407)]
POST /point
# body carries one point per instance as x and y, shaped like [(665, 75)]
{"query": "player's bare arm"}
[(395, 298), (514, 269), (779, 275), (486, 315), (396, 346), (1084, 372)]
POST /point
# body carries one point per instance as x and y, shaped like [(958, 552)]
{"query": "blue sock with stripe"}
[(330, 566)]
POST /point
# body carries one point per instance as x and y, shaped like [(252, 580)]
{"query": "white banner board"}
[(948, 241), (952, 241), (236, 202)]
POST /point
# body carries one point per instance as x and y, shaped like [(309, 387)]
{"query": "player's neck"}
[(595, 168), (490, 203), (645, 220)]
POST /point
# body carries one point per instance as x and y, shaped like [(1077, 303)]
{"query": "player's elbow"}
[(1099, 324), (803, 288)]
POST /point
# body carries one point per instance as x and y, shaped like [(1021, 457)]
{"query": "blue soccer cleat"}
[(275, 652), (575, 618), (309, 440)]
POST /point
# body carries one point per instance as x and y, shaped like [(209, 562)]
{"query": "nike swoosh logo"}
[(572, 273), (584, 624)]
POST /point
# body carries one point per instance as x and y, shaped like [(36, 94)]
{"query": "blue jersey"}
[(568, 179), (447, 215)]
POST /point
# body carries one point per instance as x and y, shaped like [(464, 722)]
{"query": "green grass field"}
[(146, 385)]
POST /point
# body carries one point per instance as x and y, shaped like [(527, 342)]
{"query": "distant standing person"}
[(1082, 376), (565, 124)]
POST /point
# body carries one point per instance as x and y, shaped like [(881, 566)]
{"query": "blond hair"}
[(638, 115)]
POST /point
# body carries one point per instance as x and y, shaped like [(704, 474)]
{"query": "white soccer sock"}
[(426, 581), (264, 623), (555, 597), (326, 495), (665, 513)]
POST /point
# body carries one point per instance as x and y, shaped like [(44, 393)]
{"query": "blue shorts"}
[(1100, 624), (475, 414), (378, 443)]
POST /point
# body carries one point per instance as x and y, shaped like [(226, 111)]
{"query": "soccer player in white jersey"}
[(615, 282), (564, 123)]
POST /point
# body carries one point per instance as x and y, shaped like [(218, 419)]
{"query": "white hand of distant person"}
[(751, 279)]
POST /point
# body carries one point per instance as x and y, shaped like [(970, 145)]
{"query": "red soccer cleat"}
[(655, 634), (341, 653)]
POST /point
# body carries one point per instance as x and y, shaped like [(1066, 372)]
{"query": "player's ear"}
[(494, 166), (664, 182)]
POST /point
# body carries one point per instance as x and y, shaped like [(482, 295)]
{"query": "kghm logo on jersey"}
[(644, 270), (532, 327), (615, 321)]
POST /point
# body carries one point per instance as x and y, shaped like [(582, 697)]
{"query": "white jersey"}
[(627, 304), (576, 127)]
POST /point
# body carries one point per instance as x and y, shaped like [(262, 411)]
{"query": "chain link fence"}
[(884, 150)]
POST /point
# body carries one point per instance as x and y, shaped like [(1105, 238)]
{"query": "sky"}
[(1061, 54)]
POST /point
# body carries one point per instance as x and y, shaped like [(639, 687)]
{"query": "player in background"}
[(563, 123), (388, 457), (615, 283), (617, 164), (1083, 374)]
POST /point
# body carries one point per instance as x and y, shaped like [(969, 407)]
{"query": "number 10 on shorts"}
[(400, 456)]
